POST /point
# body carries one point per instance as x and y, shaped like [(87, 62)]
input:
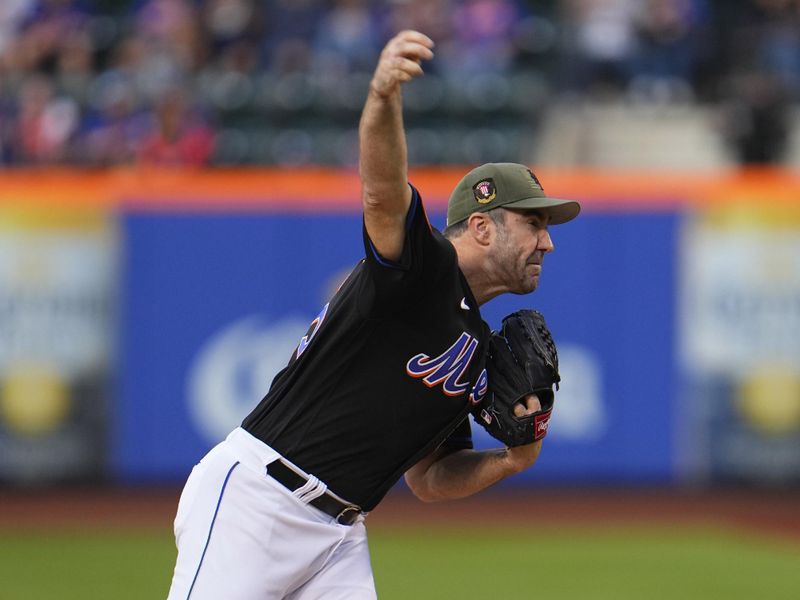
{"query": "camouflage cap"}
[(509, 185)]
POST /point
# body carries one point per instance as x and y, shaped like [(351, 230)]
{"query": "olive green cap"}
[(509, 185)]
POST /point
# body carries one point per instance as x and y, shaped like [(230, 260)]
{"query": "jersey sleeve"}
[(461, 438), (424, 254)]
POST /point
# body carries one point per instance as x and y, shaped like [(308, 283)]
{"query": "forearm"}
[(448, 476), (383, 162)]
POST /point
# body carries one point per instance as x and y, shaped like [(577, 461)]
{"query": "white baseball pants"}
[(241, 535)]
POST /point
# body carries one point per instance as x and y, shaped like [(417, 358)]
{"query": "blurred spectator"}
[(49, 25), (668, 48), (290, 28), (234, 30), (178, 137), (650, 48), (12, 14), (760, 78), (434, 17), (44, 123), (229, 21), (598, 45), (170, 44), (483, 30), (775, 34), (113, 130), (91, 82), (347, 38), (74, 69), (755, 118)]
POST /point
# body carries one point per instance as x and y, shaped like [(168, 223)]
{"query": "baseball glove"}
[(522, 360)]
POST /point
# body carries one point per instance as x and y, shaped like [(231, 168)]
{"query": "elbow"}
[(372, 199), (427, 479), (421, 489), (385, 196), (427, 496)]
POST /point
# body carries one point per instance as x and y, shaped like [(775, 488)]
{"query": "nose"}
[(545, 242)]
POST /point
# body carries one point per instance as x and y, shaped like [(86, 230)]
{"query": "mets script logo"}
[(448, 368), (480, 389)]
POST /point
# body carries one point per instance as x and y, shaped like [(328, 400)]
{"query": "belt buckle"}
[(348, 515)]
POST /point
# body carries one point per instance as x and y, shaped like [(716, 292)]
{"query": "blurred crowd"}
[(194, 82)]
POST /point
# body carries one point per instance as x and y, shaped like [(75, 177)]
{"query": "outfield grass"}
[(609, 564), (440, 563)]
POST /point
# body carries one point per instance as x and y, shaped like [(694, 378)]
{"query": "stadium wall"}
[(142, 314)]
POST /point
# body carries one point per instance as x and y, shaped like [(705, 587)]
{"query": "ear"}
[(480, 227)]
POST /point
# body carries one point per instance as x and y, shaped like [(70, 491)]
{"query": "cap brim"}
[(560, 211)]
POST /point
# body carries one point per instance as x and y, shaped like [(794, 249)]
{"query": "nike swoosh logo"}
[(464, 304)]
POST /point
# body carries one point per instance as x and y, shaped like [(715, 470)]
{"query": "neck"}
[(476, 272)]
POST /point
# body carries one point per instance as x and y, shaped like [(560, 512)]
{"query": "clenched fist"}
[(400, 61)]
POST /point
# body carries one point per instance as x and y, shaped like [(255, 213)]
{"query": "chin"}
[(527, 288)]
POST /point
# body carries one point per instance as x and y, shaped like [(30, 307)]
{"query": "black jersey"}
[(385, 373)]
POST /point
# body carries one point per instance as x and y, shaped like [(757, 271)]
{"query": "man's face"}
[(518, 249)]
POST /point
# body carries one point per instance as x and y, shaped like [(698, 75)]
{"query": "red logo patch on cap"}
[(484, 191)]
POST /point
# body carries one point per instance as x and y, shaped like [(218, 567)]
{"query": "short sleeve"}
[(424, 254)]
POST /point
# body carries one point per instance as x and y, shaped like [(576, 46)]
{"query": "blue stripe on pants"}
[(210, 529)]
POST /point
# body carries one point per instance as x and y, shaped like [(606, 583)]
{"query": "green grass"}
[(85, 565), (440, 563), (613, 564)]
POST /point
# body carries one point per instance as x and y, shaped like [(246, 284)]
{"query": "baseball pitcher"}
[(383, 383)]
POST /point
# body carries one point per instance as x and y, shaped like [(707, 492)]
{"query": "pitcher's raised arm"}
[(383, 161)]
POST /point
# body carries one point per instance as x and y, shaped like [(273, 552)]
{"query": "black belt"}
[(344, 513)]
